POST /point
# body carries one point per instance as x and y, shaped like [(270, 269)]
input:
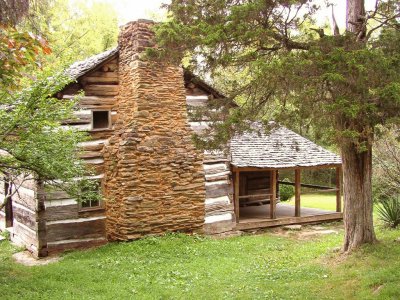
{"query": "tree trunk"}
[(358, 204), (357, 165), (355, 12)]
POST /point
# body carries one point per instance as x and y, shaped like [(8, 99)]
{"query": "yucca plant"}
[(389, 211)]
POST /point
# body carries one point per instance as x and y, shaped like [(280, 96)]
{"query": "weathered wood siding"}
[(219, 212), (25, 230), (68, 226)]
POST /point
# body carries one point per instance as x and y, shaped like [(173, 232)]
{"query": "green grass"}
[(325, 201), (266, 266)]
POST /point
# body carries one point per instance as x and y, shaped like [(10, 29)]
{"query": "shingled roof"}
[(279, 148), (80, 68)]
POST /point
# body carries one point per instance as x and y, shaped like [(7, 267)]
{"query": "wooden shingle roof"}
[(279, 148), (80, 68)]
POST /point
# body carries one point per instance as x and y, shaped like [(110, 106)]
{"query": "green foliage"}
[(74, 29), (286, 191), (282, 70), (33, 142), (389, 211)]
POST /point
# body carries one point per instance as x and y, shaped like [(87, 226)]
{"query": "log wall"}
[(26, 224), (219, 212), (67, 225)]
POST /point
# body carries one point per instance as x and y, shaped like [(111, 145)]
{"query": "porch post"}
[(338, 189), (236, 195), (272, 203), (297, 188)]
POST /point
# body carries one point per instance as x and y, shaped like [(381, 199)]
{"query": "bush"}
[(286, 191), (389, 211)]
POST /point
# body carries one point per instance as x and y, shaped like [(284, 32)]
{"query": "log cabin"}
[(152, 178)]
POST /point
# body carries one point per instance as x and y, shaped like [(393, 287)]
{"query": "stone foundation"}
[(154, 178)]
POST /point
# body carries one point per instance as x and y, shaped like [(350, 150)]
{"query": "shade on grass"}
[(264, 266)]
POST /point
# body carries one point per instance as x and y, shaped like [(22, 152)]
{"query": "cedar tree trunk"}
[(358, 204), (357, 165)]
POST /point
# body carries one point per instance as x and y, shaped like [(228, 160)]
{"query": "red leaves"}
[(17, 51)]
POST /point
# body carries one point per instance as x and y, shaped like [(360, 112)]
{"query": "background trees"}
[(345, 84)]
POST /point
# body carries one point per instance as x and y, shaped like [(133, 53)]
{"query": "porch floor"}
[(252, 217)]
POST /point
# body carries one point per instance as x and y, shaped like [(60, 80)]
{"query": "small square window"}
[(101, 119), (92, 204)]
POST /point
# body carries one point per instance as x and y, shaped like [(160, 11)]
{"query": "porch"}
[(253, 217), (256, 160)]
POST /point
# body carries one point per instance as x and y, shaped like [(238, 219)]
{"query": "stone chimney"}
[(154, 178)]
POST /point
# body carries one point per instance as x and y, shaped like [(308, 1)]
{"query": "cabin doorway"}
[(8, 208)]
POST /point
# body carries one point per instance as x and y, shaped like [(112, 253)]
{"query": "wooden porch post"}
[(236, 195), (338, 189), (272, 203), (297, 188)]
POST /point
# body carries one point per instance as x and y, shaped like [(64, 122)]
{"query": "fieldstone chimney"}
[(154, 179)]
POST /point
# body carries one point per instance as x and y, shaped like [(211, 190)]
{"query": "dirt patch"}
[(306, 232), (25, 258)]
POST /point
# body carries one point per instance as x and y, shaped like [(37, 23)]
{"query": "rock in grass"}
[(397, 240), (292, 227)]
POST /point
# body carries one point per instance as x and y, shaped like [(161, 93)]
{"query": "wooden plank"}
[(90, 154), (101, 134), (218, 208), (62, 212), (25, 217), (297, 191), (58, 247), (76, 230), (101, 90), (256, 195), (272, 211), (101, 79), (236, 195), (23, 233), (218, 227), (338, 189), (288, 221), (104, 74), (217, 190)]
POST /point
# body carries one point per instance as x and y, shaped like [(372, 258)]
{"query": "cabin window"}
[(101, 119), (92, 204)]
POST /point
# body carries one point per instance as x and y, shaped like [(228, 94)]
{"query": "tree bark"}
[(358, 204), (357, 165), (355, 16)]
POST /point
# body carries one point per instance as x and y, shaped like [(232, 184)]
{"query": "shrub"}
[(389, 211), (286, 191)]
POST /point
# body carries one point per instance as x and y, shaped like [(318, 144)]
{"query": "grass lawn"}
[(265, 266), (326, 201)]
